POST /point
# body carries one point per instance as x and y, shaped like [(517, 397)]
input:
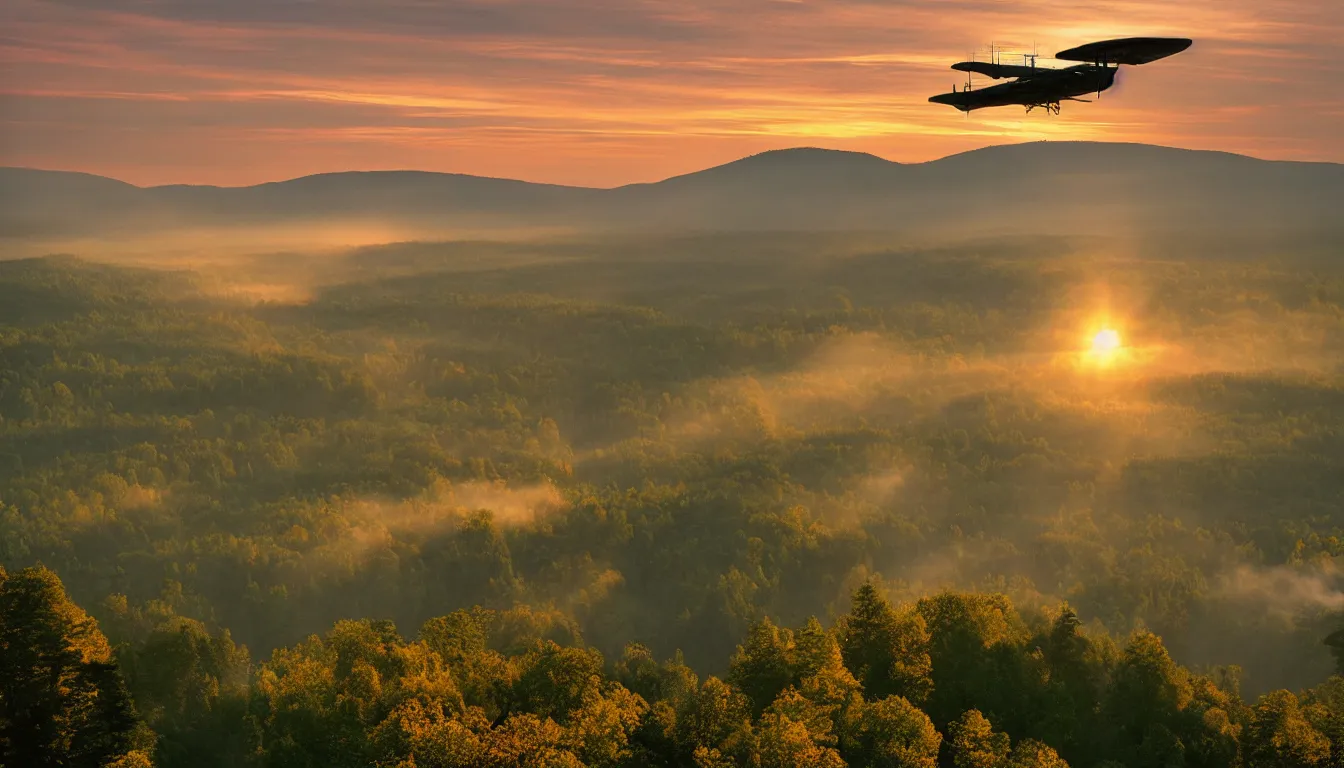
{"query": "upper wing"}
[(999, 71), (1130, 50)]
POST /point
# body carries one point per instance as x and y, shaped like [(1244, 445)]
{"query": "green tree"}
[(482, 674), (599, 731), (1324, 708), (420, 734), (782, 742), (831, 688), (669, 689), (1214, 722), (817, 719), (1075, 683), (322, 701), (527, 741), (1281, 736), (764, 665), (62, 699), (892, 733), (191, 687), (887, 651), (813, 648), (1148, 691), (715, 714), (555, 681), (1030, 753), (978, 659), (973, 743), (639, 671)]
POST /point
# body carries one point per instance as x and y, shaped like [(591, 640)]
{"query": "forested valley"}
[(723, 501)]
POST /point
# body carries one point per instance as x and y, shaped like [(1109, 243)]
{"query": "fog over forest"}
[(305, 491)]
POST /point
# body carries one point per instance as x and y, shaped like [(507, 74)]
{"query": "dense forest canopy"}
[(712, 501)]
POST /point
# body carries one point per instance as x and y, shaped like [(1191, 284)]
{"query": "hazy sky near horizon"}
[(605, 92)]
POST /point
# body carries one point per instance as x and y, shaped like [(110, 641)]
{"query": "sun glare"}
[(1106, 342), (1105, 349)]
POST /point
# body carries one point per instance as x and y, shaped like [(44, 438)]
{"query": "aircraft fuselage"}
[(1045, 89)]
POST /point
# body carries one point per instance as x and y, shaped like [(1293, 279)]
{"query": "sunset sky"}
[(606, 92)]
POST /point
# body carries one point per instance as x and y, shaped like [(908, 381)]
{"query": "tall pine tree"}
[(62, 699)]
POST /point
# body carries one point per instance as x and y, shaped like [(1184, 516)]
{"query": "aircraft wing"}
[(1129, 50), (1001, 95), (998, 71)]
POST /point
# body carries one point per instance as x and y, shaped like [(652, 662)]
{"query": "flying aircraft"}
[(1046, 87)]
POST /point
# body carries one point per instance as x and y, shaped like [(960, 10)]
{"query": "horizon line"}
[(669, 178)]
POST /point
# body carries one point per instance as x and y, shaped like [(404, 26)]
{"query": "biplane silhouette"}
[(1047, 87)]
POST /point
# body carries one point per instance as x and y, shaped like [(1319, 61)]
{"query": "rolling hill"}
[(1056, 187)]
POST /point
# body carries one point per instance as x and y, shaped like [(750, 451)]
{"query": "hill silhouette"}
[(1047, 187)]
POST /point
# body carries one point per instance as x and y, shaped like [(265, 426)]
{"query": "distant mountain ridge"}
[(1070, 187)]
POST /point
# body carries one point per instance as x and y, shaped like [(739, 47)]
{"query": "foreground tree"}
[(975, 744), (1033, 754), (1282, 737), (764, 665), (892, 733), (190, 686), (62, 699), (887, 651)]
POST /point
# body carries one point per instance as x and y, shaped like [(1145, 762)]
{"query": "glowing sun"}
[(1106, 342), (1105, 350)]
